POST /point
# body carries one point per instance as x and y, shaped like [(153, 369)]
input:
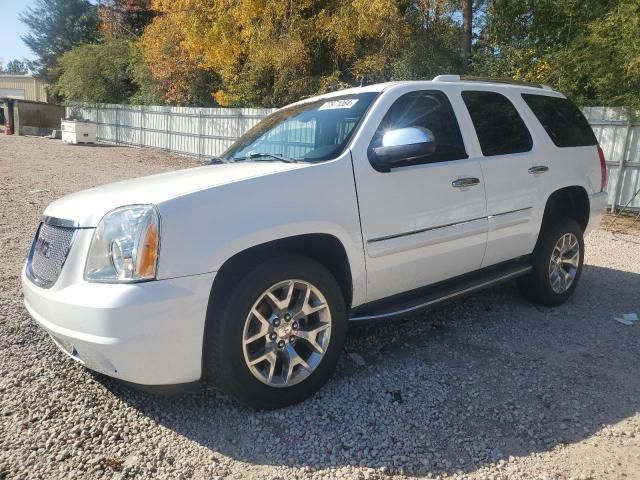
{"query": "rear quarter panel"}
[(568, 166)]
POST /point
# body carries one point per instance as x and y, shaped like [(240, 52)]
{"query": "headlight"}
[(125, 246)]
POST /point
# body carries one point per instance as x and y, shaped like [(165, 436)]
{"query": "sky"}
[(11, 46)]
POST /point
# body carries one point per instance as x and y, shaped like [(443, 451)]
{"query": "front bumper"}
[(145, 333), (598, 207)]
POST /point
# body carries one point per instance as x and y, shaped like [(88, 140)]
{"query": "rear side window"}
[(428, 109), (562, 120), (498, 125)]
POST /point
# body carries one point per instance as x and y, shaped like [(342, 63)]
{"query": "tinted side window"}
[(498, 125), (562, 120), (431, 110)]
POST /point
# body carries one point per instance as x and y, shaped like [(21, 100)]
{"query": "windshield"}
[(309, 132)]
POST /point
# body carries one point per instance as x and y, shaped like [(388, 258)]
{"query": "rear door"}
[(419, 224), (573, 145), (514, 170)]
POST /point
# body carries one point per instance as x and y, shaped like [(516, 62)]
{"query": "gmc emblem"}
[(42, 247)]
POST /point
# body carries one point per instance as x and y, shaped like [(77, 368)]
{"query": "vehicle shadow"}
[(481, 379)]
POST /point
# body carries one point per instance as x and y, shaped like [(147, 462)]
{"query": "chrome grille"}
[(48, 253)]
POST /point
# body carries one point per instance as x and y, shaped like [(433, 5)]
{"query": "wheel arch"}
[(324, 248), (571, 202)]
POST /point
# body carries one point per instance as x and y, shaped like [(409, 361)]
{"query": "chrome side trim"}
[(510, 211), (424, 305), (32, 248), (423, 230)]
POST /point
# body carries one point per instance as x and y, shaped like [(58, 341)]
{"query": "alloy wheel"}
[(286, 333), (564, 263)]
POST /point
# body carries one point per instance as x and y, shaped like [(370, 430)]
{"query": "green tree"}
[(604, 67), (97, 73), (433, 45), (16, 67), (149, 91), (55, 26), (588, 49)]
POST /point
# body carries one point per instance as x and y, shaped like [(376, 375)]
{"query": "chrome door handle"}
[(538, 169), (465, 182)]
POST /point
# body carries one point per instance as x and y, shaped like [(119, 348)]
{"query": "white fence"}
[(206, 132), (619, 137), (203, 132)]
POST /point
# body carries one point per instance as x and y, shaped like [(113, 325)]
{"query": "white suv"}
[(367, 203)]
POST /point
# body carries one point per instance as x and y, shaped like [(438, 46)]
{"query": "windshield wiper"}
[(267, 156), (216, 161)]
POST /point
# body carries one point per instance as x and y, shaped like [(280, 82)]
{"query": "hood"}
[(87, 207)]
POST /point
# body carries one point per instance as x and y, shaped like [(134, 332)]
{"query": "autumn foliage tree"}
[(271, 53), (180, 75)]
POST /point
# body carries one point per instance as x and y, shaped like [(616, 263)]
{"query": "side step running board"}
[(424, 298)]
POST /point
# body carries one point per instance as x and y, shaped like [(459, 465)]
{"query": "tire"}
[(544, 285), (241, 315)]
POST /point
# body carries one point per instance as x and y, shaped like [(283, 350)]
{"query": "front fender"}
[(200, 231)]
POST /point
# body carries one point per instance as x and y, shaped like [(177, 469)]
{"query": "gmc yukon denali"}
[(363, 204)]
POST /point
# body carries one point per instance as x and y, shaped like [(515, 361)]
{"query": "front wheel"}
[(277, 338), (557, 264)]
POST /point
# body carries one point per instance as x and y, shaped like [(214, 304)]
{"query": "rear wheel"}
[(277, 338), (557, 264)]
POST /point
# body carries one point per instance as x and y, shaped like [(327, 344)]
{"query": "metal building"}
[(23, 106), (23, 87)]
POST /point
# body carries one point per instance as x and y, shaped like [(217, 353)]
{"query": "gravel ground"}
[(487, 387)]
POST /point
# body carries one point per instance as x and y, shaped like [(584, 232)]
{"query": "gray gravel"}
[(487, 387)]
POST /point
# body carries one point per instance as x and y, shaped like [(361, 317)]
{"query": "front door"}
[(424, 222)]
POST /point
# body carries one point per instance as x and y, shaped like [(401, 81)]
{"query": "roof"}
[(441, 80), (23, 100), (19, 75)]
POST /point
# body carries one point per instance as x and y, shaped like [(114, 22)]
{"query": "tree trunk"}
[(467, 19)]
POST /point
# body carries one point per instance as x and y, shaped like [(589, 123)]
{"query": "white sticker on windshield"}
[(333, 104)]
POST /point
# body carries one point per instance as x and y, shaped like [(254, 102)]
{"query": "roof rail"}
[(447, 78), (507, 81)]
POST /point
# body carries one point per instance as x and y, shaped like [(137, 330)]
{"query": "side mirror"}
[(401, 147)]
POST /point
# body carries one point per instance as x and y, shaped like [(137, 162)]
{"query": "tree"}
[(271, 53), (587, 49), (124, 18), (149, 91), (256, 52), (15, 67), (433, 45), (467, 26), (55, 26), (262, 53), (97, 73), (174, 69), (603, 67), (523, 40)]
